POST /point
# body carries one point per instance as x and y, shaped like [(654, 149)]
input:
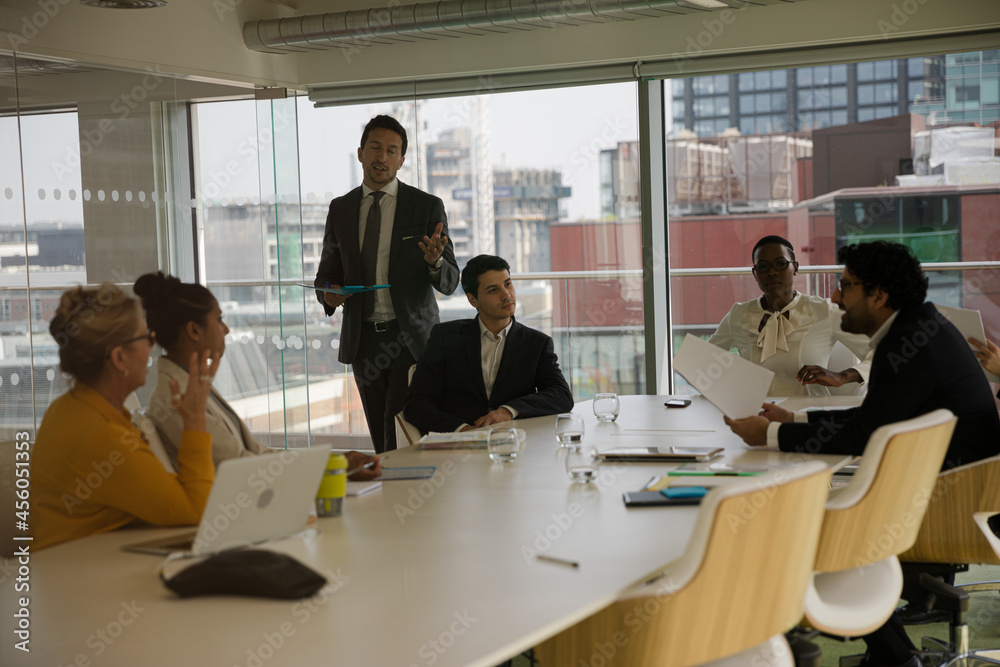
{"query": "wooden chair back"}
[(746, 582), (898, 471), (948, 533)]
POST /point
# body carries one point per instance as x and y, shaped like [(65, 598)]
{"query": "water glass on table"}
[(503, 444), (581, 464), (569, 430), (606, 407)]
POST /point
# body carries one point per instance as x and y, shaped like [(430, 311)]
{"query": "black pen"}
[(558, 561)]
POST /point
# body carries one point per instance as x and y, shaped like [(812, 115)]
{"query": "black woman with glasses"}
[(790, 333), (187, 320), (92, 469)]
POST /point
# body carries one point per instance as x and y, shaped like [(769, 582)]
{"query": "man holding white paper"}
[(921, 363)]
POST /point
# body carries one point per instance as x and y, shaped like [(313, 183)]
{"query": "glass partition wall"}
[(118, 173), (100, 183)]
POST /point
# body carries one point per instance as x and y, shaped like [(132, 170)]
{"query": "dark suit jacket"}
[(447, 389), (412, 285), (922, 364)]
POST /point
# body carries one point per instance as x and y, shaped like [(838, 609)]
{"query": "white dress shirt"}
[(490, 354)]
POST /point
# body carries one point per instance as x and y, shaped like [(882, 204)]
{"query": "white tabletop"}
[(423, 572)]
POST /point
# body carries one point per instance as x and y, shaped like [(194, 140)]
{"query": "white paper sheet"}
[(970, 324), (734, 385)]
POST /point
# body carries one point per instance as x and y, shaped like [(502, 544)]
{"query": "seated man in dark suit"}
[(488, 369), (921, 363)]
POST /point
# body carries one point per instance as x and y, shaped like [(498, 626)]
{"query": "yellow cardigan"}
[(92, 471)]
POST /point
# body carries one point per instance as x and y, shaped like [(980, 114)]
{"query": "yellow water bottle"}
[(333, 488)]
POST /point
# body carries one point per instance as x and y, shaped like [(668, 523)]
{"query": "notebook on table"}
[(253, 499), (459, 440)]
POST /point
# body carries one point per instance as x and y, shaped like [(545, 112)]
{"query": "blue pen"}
[(684, 491)]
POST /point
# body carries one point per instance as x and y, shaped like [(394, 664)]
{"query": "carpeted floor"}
[(983, 619)]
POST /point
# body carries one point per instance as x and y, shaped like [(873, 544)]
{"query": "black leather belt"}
[(382, 327)]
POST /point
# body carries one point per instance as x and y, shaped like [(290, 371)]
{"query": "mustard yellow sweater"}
[(92, 471)]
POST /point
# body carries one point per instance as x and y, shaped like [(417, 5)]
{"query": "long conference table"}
[(433, 572)]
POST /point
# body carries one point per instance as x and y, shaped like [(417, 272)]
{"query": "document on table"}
[(734, 385), (361, 488), (407, 472), (970, 324), (459, 440)]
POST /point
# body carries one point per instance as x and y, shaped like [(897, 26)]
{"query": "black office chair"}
[(949, 541)]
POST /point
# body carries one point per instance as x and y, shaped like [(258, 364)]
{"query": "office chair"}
[(405, 431), (949, 541), (842, 358), (149, 430), (858, 578), (152, 435), (989, 525), (956, 653), (739, 583)]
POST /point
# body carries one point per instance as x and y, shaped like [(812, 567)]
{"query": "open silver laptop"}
[(253, 499)]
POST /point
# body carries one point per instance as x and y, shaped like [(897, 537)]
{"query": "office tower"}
[(805, 98), (971, 91)]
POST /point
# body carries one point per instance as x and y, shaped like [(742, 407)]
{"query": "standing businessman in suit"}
[(488, 369), (385, 233)]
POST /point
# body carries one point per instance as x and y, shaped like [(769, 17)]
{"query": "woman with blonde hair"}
[(92, 469)]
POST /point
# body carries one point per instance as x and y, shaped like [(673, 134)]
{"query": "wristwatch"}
[(436, 266)]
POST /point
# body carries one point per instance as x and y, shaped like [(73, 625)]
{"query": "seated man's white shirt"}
[(803, 417), (491, 352)]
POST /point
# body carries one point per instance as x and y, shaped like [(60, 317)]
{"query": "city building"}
[(804, 98), (971, 92)]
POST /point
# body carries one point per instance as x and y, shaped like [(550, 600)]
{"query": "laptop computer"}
[(660, 454), (253, 499)]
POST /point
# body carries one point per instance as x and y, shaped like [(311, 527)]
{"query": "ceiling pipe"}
[(456, 19)]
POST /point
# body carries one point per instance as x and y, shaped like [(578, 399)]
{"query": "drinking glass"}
[(606, 407), (569, 430), (503, 444), (581, 464)]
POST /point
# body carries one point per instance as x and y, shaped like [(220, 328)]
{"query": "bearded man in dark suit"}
[(385, 233), (921, 363)]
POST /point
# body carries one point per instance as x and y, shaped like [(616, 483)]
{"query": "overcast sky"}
[(561, 129)]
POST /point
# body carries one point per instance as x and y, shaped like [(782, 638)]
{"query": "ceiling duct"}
[(9, 65), (456, 19)]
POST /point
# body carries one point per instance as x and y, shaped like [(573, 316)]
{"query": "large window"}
[(140, 174), (811, 186), (93, 188)]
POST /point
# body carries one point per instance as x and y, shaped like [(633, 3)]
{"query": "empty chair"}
[(950, 539), (405, 431), (873, 519), (737, 585)]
